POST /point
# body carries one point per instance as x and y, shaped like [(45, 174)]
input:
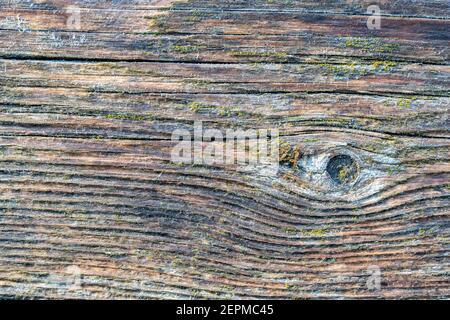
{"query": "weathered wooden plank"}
[(88, 186), (216, 48), (224, 22), (358, 76), (217, 36), (145, 209)]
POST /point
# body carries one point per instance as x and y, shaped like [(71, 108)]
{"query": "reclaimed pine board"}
[(87, 115)]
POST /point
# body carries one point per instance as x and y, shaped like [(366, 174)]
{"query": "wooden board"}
[(91, 205)]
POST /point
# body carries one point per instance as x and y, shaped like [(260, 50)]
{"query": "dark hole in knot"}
[(342, 169)]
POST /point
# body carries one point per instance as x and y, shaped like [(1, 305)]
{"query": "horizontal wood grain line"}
[(401, 7), (203, 22), (376, 77), (310, 46), (104, 131), (313, 60), (200, 11)]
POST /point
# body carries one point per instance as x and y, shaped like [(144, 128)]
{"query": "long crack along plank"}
[(91, 205)]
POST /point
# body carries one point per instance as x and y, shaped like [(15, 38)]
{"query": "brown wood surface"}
[(87, 182)]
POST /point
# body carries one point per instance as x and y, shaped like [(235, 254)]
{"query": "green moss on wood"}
[(187, 48), (356, 70), (128, 117), (406, 102), (221, 110), (288, 154), (315, 232), (369, 45), (277, 55)]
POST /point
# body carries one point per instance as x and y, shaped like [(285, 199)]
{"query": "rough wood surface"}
[(87, 182)]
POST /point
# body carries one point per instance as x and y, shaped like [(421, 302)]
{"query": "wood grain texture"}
[(87, 182)]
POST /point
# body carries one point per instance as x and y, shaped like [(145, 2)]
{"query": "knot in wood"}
[(342, 169)]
